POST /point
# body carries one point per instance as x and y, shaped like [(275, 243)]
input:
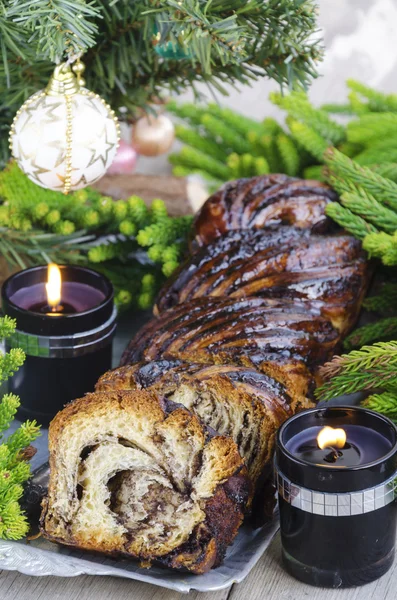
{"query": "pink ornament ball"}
[(124, 161)]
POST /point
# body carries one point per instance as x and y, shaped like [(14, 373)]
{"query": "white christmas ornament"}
[(64, 137)]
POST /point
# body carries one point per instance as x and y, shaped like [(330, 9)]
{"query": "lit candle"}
[(65, 324), (336, 470), (57, 290), (350, 446), (53, 288)]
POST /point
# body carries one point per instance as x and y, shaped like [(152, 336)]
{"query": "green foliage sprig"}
[(371, 367), (134, 245), (14, 466)]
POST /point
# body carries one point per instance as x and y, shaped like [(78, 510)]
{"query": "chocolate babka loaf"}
[(278, 337), (329, 272), (131, 474), (239, 402), (262, 201), (161, 462)]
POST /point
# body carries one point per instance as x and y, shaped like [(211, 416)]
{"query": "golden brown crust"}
[(106, 433), (237, 401)]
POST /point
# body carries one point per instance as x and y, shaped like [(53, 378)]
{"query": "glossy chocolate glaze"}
[(328, 271), (264, 200), (246, 332)]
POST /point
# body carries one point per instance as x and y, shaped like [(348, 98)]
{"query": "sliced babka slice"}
[(131, 475), (264, 200), (329, 272), (280, 338), (239, 402)]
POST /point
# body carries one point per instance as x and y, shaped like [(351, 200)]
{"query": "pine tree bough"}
[(371, 367), (16, 449), (122, 42)]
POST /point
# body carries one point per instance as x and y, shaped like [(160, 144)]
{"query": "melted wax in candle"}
[(76, 297), (363, 445)]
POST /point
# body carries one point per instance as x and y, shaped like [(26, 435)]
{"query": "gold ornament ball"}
[(152, 136)]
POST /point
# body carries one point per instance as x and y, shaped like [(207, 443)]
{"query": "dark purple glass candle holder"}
[(67, 351), (338, 517)]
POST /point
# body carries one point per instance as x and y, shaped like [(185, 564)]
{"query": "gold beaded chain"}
[(69, 142)]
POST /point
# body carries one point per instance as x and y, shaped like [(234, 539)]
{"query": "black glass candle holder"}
[(66, 352), (338, 523)]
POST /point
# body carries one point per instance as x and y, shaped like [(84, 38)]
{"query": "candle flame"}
[(329, 437), (53, 286)]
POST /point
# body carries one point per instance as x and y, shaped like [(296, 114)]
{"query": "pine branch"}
[(377, 101), (345, 175), (315, 172), (338, 109), (14, 470), (289, 154), (376, 153), (194, 159), (385, 301), (8, 409), (385, 329), (387, 170), (246, 165), (199, 142), (52, 27), (364, 204), (22, 437), (383, 246), (299, 108), (192, 113), (237, 122), (352, 223), (384, 403), (371, 127), (308, 138), (223, 134), (371, 367)]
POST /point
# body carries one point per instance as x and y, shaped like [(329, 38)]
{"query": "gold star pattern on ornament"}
[(82, 180), (28, 165), (60, 152), (101, 150), (46, 114)]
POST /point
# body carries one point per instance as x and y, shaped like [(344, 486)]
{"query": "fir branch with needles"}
[(371, 367), (115, 236), (123, 44), (14, 468)]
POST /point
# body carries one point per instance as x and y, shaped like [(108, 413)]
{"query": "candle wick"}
[(333, 455)]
